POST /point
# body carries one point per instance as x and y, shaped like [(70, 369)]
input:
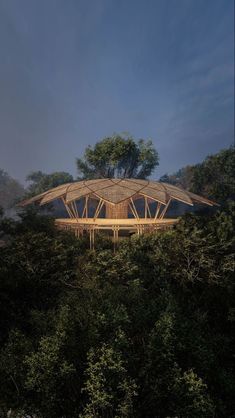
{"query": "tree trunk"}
[(118, 211)]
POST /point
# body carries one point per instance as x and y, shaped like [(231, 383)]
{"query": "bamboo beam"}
[(165, 209), (137, 216), (85, 207), (92, 238), (67, 207), (132, 210), (148, 208), (72, 209), (114, 239), (75, 209), (115, 229), (102, 204), (145, 208), (157, 210), (98, 209)]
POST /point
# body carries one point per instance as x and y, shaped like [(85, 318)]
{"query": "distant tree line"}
[(213, 178), (122, 156), (10, 190)]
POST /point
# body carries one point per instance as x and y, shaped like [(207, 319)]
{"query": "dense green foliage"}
[(40, 182), (10, 190), (214, 177), (118, 156), (146, 332)]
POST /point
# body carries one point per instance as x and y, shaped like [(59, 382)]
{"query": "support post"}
[(134, 208), (67, 208), (75, 208), (157, 210), (145, 208), (85, 211), (92, 237), (115, 236), (98, 209), (165, 209)]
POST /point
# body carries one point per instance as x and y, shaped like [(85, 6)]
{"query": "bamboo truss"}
[(119, 198)]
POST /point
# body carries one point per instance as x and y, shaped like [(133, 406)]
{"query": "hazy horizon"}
[(74, 72)]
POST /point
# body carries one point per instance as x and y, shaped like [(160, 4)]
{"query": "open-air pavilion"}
[(118, 206)]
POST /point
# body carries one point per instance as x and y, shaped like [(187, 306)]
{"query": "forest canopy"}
[(118, 156), (147, 332)]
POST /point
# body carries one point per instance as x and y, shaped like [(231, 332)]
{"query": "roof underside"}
[(115, 191)]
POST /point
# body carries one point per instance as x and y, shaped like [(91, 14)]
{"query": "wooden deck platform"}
[(116, 227), (105, 222)]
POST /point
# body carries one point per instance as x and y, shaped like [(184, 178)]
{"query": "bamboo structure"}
[(111, 205)]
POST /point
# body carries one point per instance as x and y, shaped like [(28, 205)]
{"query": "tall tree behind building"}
[(118, 156)]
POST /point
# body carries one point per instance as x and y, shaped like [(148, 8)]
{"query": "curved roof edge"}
[(116, 191)]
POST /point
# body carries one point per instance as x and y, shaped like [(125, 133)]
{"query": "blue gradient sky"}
[(72, 72)]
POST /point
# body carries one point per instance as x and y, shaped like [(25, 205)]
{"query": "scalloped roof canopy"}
[(115, 191)]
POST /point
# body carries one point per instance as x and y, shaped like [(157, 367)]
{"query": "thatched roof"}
[(118, 190)]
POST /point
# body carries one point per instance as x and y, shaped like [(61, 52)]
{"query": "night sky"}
[(73, 72)]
